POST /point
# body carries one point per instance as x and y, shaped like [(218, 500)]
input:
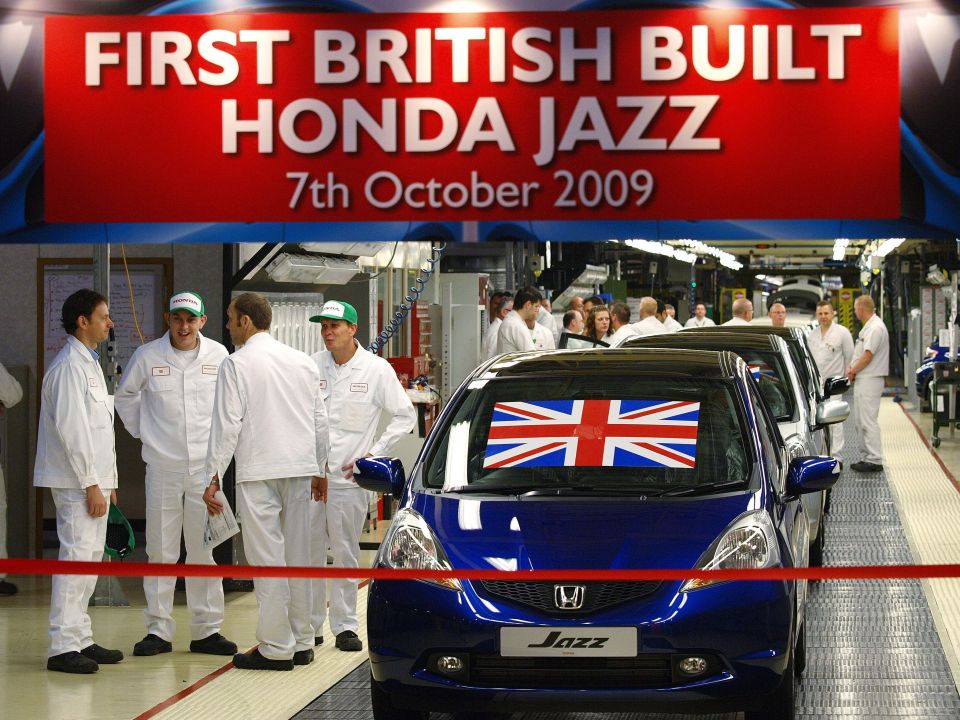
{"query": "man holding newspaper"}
[(268, 413)]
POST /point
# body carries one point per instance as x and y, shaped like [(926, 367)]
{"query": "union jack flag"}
[(593, 433), (759, 368)]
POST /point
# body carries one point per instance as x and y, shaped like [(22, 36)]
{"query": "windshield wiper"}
[(701, 489), (489, 489), (596, 490)]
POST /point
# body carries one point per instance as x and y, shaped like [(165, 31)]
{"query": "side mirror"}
[(832, 411), (812, 474), (835, 386), (381, 475)]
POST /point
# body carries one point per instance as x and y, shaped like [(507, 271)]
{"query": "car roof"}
[(709, 341), (787, 333), (614, 361)]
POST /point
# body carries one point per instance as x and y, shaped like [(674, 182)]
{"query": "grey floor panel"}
[(872, 647)]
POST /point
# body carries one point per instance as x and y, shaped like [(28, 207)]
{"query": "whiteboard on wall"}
[(148, 285)]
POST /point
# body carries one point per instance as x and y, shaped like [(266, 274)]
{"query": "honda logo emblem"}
[(569, 597)]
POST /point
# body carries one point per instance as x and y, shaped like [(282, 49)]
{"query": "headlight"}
[(411, 545), (750, 542)]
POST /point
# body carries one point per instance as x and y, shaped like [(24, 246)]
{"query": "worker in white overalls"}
[(166, 399), (357, 387), (77, 460), (268, 414), (832, 347), (10, 394)]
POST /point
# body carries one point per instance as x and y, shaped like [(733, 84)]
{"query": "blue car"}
[(607, 459)]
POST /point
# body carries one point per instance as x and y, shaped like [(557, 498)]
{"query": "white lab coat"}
[(547, 319), (168, 404), (543, 338), (832, 353), (10, 394), (75, 443), (736, 321), (875, 338), (490, 339), (168, 407), (672, 325), (868, 386), (75, 449), (622, 334), (356, 395), (268, 414), (695, 323), (514, 335), (649, 326)]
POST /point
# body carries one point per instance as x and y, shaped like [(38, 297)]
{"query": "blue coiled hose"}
[(408, 301)]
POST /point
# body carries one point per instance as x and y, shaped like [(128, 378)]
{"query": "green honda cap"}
[(336, 310), (189, 301)]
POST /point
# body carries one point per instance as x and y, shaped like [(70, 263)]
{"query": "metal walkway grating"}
[(872, 647)]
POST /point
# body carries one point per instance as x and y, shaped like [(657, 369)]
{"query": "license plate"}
[(583, 641)]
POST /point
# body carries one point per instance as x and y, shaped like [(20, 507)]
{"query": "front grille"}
[(598, 595), (649, 670)]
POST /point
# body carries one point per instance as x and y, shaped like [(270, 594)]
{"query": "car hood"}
[(578, 533)]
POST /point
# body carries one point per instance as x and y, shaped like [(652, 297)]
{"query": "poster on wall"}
[(634, 115)]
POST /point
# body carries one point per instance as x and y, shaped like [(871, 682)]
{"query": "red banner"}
[(677, 114)]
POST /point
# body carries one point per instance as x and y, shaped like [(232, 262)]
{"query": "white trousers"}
[(81, 538), (867, 392), (174, 507), (836, 435), (275, 521), (337, 524), (836, 440)]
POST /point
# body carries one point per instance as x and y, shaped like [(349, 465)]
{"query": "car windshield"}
[(570, 434), (770, 372), (798, 353)]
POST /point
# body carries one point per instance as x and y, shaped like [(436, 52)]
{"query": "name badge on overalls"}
[(358, 387), (161, 371)]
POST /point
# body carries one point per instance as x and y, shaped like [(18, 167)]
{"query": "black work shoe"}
[(318, 640), (7, 588), (152, 645), (215, 644), (72, 662), (349, 642), (866, 467), (256, 661), (102, 656), (303, 657)]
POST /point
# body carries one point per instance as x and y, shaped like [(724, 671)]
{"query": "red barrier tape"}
[(119, 569)]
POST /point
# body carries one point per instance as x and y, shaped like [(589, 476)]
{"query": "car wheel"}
[(779, 705), (383, 708), (816, 547)]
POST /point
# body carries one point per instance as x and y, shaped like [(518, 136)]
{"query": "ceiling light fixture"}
[(840, 248)]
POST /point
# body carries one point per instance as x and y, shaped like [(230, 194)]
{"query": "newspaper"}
[(219, 527)]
